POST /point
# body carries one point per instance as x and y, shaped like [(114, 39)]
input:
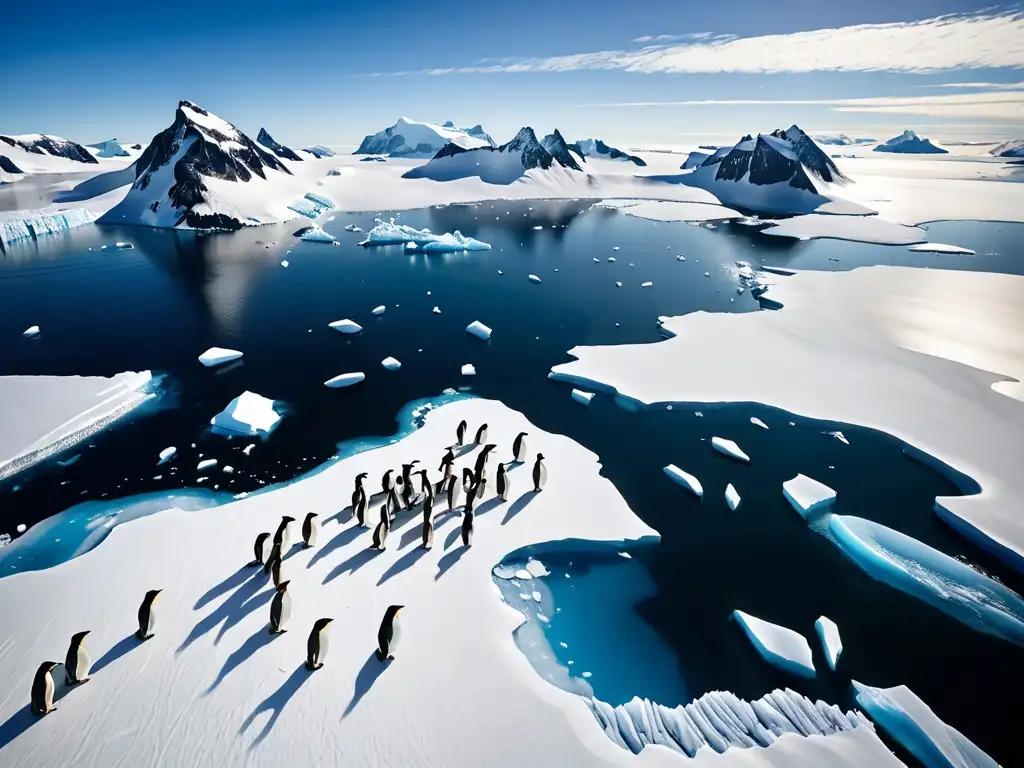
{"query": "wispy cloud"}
[(978, 86), (989, 39), (687, 36)]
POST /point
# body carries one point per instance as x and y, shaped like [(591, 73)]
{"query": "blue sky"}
[(316, 72)]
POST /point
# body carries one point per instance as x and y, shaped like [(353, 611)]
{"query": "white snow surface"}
[(805, 494), (248, 414), (668, 210), (345, 380), (778, 645), (45, 415), (940, 248), (847, 346), (916, 727), (861, 229), (831, 643), (729, 448), (478, 329), (218, 356), (684, 479), (423, 140)]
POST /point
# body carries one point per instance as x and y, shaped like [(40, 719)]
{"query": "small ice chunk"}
[(732, 497), (248, 449), (378, 310), (684, 479), (351, 227), (314, 234), (840, 437), (437, 310), (940, 248), (779, 646), (597, 260), (536, 568), (32, 331), (680, 257), (758, 422), (618, 284), (167, 454), (248, 414), (285, 263), (625, 555), (648, 284), (533, 278), (206, 464), (227, 469), (500, 272), (21, 528), (468, 370), (611, 259), (523, 574), (807, 494), (346, 326), (615, 247), (582, 397), (828, 633), (345, 380), (120, 246), (707, 274), (729, 448), (218, 356), (391, 364), (536, 596), (478, 329)]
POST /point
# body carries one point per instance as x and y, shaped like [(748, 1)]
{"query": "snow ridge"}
[(411, 138), (40, 144), (278, 149), (588, 147)]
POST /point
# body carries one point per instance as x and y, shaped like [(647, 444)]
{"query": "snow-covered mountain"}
[(477, 132), (1012, 148), (110, 148), (201, 172), (40, 144), (410, 138), (909, 142), (840, 140), (559, 149), (597, 148), (493, 165), (280, 150)]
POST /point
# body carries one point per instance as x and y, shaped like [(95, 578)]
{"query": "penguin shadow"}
[(487, 506), (248, 649), (296, 549), (464, 450), (406, 561), (122, 648), (275, 704), (353, 564), (411, 535), (239, 603), (339, 541), (448, 560), (373, 668), (453, 535), (519, 505), (337, 516), (236, 579), (17, 724)]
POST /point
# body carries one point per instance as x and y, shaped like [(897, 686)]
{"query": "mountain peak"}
[(264, 138)]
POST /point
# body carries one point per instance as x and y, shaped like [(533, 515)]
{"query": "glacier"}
[(390, 233), (31, 225), (778, 645)]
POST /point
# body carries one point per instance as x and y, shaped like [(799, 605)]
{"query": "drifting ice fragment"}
[(378, 310), (779, 646), (437, 310), (680, 257), (478, 329), (118, 246), (391, 364), (206, 464), (285, 263), (248, 414), (537, 568), (732, 497), (218, 355), (345, 380), (533, 278), (840, 437), (248, 449), (346, 326), (807, 494), (685, 479), (33, 331), (315, 234), (597, 260), (828, 633), (468, 370), (758, 422), (611, 259), (21, 528), (648, 284), (729, 448), (582, 397), (352, 228), (618, 284), (615, 247), (167, 454)]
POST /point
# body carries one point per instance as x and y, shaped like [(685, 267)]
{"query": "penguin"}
[(473, 493), (407, 472), (540, 474), (480, 470), (359, 507), (519, 448), (387, 482), (358, 494), (503, 484), (275, 571), (399, 492), (309, 529), (42, 688), (408, 487), (274, 558), (460, 433), (283, 534), (446, 468), (260, 549), (426, 487), (428, 531), (467, 528), (452, 492), (389, 633), (468, 479), (380, 533), (392, 504), (147, 615), (280, 609), (481, 435), (78, 661), (317, 645)]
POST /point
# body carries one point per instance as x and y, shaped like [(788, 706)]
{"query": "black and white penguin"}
[(426, 487), (468, 479), (452, 492), (280, 609), (389, 633), (481, 435), (467, 528), (408, 487), (317, 645), (380, 533), (273, 559), (519, 448), (260, 550), (393, 503), (275, 571), (358, 491), (460, 432), (283, 534), (473, 494), (42, 688), (387, 482), (446, 468), (359, 505), (147, 615), (428, 530), (78, 661), (540, 474), (503, 485), (310, 527), (480, 470)]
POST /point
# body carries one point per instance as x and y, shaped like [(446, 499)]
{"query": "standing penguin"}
[(468, 479), (387, 482), (77, 661), (460, 432), (426, 487), (389, 633), (359, 496), (309, 529), (260, 549), (446, 467), (480, 470), (275, 571), (280, 609), (317, 645), (428, 529), (519, 448), (452, 492), (467, 528), (42, 688), (273, 559), (503, 485), (380, 533), (408, 487), (147, 615), (359, 508), (473, 494), (481, 435), (283, 534), (540, 474), (393, 503)]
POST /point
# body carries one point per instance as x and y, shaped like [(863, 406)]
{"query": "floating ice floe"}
[(582, 397), (218, 356), (437, 310), (839, 436), (248, 449), (391, 364), (611, 259), (618, 284), (31, 331), (648, 284), (167, 454), (285, 263), (940, 248), (248, 414), (757, 422), (684, 479), (352, 228), (680, 257), (832, 644), (206, 464), (533, 278), (346, 326), (806, 494), (615, 247), (468, 370), (729, 448), (732, 497), (779, 646), (315, 234), (378, 310), (478, 329), (21, 528), (597, 260), (918, 729), (31, 225), (390, 233), (345, 380), (118, 246), (227, 469)]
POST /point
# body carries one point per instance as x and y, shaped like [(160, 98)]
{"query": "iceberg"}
[(919, 730), (345, 380), (729, 448), (582, 397), (390, 233), (940, 248), (167, 454), (732, 497), (31, 331), (685, 479), (218, 356), (391, 363), (315, 234), (353, 228), (247, 414), (533, 278), (346, 326), (31, 225), (828, 633), (437, 310), (378, 310), (454, 242), (779, 646), (757, 422), (118, 246), (206, 464), (478, 329), (468, 370), (648, 284), (807, 494)]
